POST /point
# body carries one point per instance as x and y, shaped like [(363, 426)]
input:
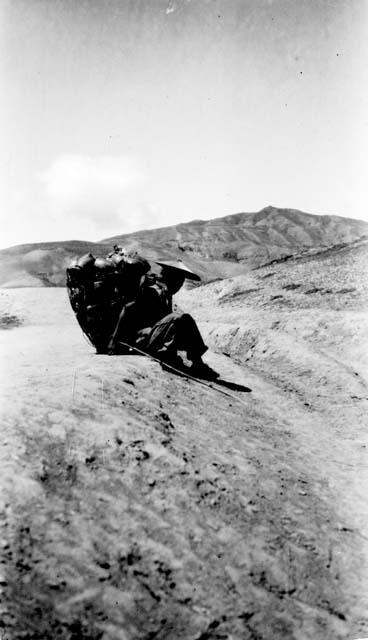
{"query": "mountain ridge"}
[(216, 248)]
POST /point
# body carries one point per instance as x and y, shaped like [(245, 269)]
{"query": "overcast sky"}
[(123, 114)]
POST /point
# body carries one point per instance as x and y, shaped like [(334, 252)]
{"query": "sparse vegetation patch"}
[(9, 321)]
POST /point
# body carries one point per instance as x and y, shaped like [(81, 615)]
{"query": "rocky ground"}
[(138, 505)]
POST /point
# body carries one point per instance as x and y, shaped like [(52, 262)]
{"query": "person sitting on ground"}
[(150, 323)]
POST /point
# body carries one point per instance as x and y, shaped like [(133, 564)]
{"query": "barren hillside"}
[(215, 248), (252, 237)]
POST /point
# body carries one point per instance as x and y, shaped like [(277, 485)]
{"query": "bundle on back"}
[(99, 287)]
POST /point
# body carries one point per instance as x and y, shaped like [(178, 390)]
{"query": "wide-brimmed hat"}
[(178, 265)]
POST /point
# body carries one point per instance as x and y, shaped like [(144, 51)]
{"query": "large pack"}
[(98, 288)]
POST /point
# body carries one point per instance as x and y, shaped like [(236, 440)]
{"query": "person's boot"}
[(170, 358), (200, 369)]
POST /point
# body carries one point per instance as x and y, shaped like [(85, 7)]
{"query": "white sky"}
[(123, 114)]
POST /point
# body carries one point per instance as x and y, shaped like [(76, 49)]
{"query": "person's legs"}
[(189, 339), (176, 332), (162, 339), (179, 332)]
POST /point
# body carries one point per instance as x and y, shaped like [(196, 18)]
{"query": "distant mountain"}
[(241, 236), (216, 248)]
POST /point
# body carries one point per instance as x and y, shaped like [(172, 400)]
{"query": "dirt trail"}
[(139, 505)]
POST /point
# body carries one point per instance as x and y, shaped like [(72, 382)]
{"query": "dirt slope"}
[(139, 505)]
